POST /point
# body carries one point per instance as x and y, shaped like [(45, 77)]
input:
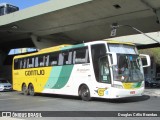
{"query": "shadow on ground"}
[(125, 100), (120, 100)]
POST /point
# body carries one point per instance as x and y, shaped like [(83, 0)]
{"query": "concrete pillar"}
[(2, 57), (5, 70), (41, 43)]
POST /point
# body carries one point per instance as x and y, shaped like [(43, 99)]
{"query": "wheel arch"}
[(23, 84), (30, 84)]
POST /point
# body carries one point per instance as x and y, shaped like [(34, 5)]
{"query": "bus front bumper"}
[(122, 93)]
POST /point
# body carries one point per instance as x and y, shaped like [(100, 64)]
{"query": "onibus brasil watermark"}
[(21, 114), (37, 114), (137, 114)]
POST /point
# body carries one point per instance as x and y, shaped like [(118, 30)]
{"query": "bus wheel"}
[(85, 93), (24, 89), (31, 90)]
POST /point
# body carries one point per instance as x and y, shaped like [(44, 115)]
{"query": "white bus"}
[(102, 69)]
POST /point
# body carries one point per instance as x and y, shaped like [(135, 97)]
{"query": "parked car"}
[(151, 83), (5, 85)]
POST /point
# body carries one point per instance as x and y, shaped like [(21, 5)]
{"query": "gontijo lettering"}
[(34, 72)]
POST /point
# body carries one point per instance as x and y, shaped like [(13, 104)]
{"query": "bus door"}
[(100, 63)]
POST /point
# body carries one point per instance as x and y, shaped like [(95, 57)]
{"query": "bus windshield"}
[(128, 69), (122, 48)]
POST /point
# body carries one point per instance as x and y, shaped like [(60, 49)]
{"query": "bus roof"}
[(69, 46), (55, 48), (119, 42), (50, 49)]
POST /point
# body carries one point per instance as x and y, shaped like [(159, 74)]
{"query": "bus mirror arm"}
[(114, 58), (147, 58)]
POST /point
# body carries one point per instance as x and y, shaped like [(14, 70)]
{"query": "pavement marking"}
[(10, 99)]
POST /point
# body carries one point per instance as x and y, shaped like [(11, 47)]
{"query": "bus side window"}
[(61, 58), (47, 60), (16, 64), (21, 63), (67, 58), (36, 61), (80, 56), (70, 57), (41, 61), (24, 63), (87, 56), (33, 62), (30, 62), (53, 59)]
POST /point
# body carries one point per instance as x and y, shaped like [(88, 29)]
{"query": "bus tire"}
[(85, 93), (24, 89), (31, 90)]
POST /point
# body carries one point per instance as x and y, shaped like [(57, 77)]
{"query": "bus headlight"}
[(117, 86)]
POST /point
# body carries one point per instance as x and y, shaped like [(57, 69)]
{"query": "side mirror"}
[(113, 58), (143, 56)]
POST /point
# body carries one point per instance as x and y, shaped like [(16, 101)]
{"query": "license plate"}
[(132, 92)]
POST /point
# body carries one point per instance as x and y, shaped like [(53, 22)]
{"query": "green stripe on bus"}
[(73, 46), (137, 85), (64, 76), (54, 75)]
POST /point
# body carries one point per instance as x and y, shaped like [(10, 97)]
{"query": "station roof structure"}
[(73, 21)]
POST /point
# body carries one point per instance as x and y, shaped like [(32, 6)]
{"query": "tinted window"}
[(65, 58), (16, 64), (46, 60), (36, 64), (30, 62), (21, 64), (24, 63), (80, 56), (53, 59), (41, 61), (77, 56), (61, 58)]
